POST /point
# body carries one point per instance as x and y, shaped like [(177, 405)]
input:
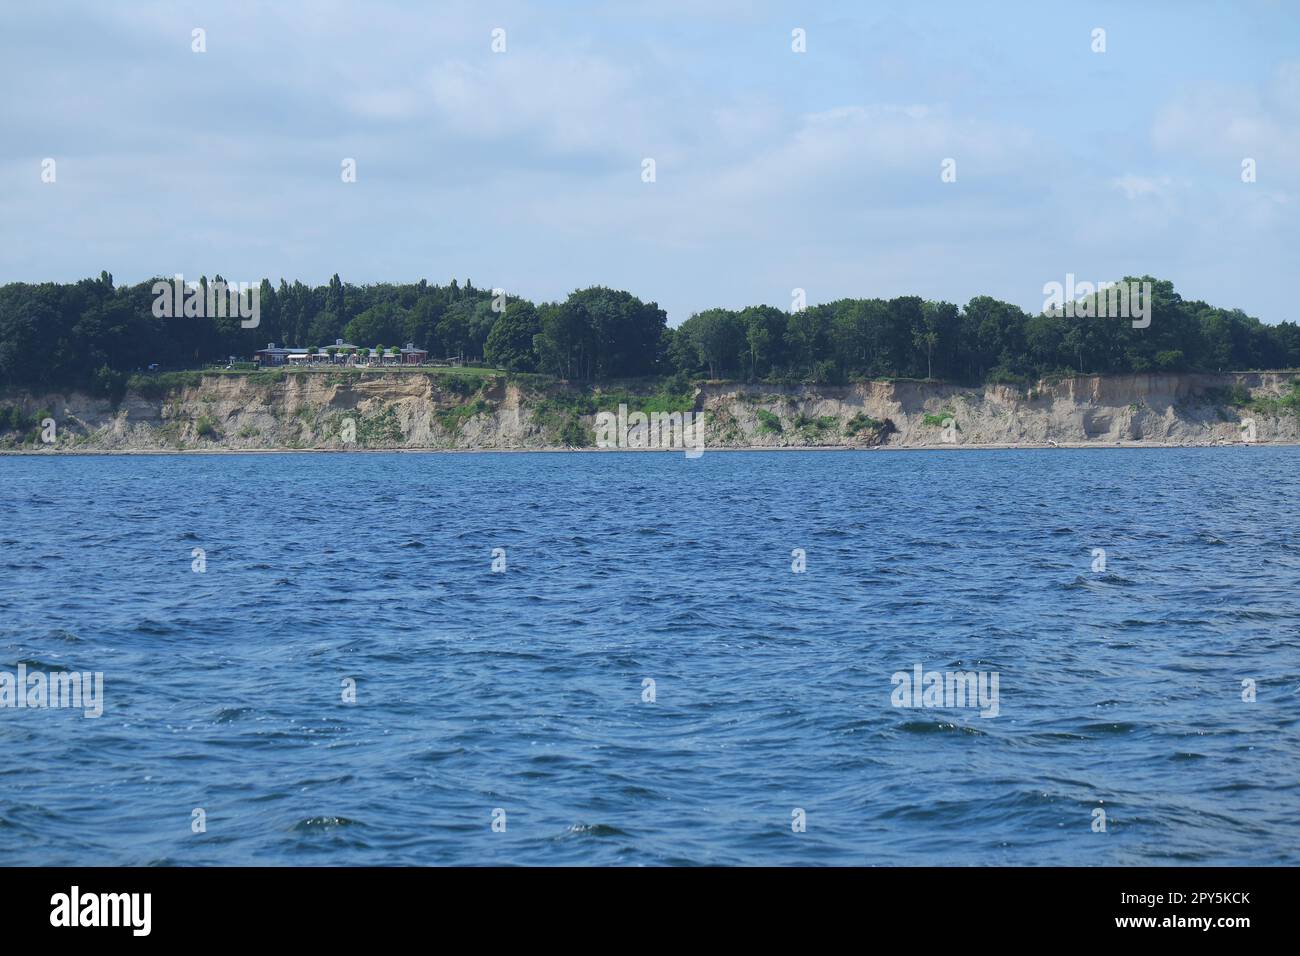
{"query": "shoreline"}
[(991, 446)]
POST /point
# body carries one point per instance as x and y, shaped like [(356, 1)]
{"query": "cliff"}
[(459, 410)]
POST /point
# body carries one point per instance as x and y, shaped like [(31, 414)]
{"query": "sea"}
[(859, 658)]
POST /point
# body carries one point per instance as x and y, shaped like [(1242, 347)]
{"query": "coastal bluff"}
[(483, 411)]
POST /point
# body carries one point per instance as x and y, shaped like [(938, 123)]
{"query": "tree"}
[(88, 333), (558, 344), (926, 340), (719, 339), (455, 329), (764, 327), (854, 327), (759, 341), (379, 322), (942, 331), (326, 327), (335, 300), (510, 343), (605, 333), (808, 335)]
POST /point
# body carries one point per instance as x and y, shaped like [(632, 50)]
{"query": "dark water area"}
[(1119, 690)]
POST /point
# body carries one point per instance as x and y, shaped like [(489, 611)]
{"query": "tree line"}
[(92, 333)]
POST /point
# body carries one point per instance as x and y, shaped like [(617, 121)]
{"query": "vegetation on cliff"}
[(96, 336)]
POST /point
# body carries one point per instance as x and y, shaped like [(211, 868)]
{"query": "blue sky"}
[(774, 169)]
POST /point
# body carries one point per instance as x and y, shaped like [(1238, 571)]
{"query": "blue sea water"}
[(523, 690)]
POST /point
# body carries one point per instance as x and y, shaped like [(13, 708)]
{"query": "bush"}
[(821, 424), (460, 384), (207, 428), (860, 422), (156, 385), (827, 373), (453, 419), (1236, 396), (108, 383), (1170, 360), (1004, 376), (382, 427), (1267, 405), (936, 421), (767, 422), (575, 435)]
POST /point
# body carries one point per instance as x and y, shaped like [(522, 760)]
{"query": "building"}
[(340, 353), (277, 356), (344, 353)]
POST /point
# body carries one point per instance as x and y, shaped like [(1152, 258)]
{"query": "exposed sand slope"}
[(400, 410)]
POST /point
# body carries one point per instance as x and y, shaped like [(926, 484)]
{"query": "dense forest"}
[(92, 334)]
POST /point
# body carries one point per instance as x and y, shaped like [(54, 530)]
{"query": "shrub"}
[(1004, 376), (460, 385), (827, 373), (12, 418), (821, 424), (205, 427), (453, 419), (1171, 359), (1235, 396), (936, 421), (573, 433), (108, 383), (767, 422), (381, 427), (156, 385), (860, 422)]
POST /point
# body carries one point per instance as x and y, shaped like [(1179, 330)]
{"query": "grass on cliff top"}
[(154, 384)]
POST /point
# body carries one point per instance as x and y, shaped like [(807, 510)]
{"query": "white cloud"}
[(1141, 187), (1219, 126)]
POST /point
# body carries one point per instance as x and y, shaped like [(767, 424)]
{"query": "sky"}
[(774, 170)]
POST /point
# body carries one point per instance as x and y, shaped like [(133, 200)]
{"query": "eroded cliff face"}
[(299, 411), (322, 410), (1165, 408)]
